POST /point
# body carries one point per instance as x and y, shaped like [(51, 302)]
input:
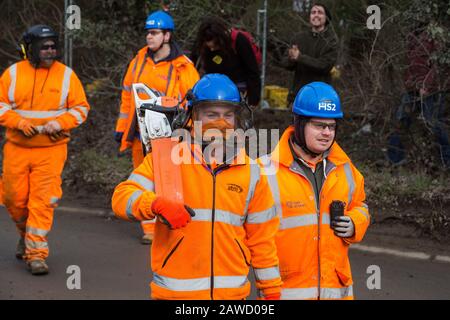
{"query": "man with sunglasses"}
[(162, 66), (41, 100), (307, 171)]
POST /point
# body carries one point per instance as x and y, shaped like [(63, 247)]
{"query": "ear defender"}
[(23, 51), (24, 44), (181, 119)]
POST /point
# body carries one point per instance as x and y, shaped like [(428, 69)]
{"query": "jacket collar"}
[(320, 33), (235, 157), (176, 57), (175, 52)]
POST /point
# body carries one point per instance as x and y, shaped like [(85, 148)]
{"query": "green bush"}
[(91, 171), (386, 187)]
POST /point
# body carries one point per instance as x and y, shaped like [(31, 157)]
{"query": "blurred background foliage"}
[(371, 64)]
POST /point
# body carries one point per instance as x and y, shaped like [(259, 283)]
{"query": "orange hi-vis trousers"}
[(148, 226), (31, 190)]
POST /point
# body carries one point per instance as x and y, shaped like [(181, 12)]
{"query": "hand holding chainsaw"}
[(155, 117), (173, 214)]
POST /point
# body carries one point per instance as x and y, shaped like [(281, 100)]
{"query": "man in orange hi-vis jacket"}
[(203, 248), (41, 100), (320, 199), (162, 66)]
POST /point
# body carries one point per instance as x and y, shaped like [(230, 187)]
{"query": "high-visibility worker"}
[(307, 171), (161, 65), (41, 100), (227, 223)]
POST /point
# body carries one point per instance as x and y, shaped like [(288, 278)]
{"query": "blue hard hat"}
[(216, 87), (159, 20), (318, 100)]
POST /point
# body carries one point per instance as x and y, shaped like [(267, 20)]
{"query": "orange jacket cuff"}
[(63, 123), (13, 121), (271, 291), (145, 206)]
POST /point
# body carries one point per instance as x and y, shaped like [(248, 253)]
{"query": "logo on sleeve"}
[(234, 188), (294, 204)]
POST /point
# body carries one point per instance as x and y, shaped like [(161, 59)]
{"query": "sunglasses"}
[(322, 125), (154, 32), (48, 46)]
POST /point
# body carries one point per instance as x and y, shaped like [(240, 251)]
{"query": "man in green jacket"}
[(313, 53)]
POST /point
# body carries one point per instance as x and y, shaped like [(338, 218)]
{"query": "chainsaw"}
[(156, 115)]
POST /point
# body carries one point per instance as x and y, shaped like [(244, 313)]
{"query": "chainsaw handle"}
[(140, 87), (159, 108)]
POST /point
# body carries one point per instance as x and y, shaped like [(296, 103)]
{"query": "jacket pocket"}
[(172, 251), (245, 256), (344, 276)]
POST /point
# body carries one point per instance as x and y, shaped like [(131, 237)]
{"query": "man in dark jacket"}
[(313, 53), (426, 85)]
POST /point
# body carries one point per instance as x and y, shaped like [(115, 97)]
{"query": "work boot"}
[(37, 267), (147, 238), (20, 250)]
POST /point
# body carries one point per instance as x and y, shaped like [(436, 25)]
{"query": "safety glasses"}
[(154, 33), (48, 46), (323, 125)]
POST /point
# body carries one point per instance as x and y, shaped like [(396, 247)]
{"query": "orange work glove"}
[(173, 214), (27, 128)]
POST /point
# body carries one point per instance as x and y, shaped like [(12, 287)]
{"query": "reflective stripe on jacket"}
[(41, 95), (234, 227), (314, 262)]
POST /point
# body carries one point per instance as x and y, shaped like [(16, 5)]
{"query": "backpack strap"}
[(234, 34)]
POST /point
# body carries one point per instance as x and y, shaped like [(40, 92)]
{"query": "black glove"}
[(118, 136)]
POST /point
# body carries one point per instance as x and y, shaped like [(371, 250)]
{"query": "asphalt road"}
[(114, 265)]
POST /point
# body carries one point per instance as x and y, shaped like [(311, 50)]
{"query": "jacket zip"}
[(320, 222), (318, 229), (317, 203), (213, 219), (45, 80), (319, 271)]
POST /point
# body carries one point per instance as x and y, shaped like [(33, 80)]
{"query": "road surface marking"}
[(443, 259), (402, 254), (358, 247), (84, 210)]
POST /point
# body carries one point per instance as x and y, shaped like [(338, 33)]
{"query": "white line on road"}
[(443, 259), (402, 254), (84, 210), (358, 247), (398, 253)]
